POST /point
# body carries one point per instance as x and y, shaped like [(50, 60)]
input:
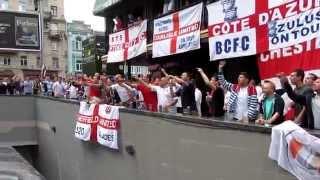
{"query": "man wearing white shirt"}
[(58, 88), (124, 91), (165, 94), (28, 86)]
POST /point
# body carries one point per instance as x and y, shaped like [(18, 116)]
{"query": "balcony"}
[(55, 33), (47, 16)]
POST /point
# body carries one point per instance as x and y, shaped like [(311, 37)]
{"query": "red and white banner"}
[(230, 28), (303, 55), (98, 123), (296, 151), (128, 43), (246, 27), (86, 122), (108, 127), (178, 32)]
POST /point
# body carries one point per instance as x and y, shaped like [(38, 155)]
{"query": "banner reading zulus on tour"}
[(245, 27), (128, 43), (178, 32)]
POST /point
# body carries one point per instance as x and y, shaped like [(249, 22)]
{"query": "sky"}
[(82, 10)]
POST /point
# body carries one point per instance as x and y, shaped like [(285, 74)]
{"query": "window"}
[(78, 67), (23, 4), (38, 62), (74, 47), (7, 61), (78, 45), (54, 46), (55, 62), (23, 61), (4, 4), (54, 11), (46, 24)]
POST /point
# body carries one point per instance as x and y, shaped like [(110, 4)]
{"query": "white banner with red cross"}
[(128, 43), (178, 32), (86, 122), (231, 30), (247, 27), (108, 127), (295, 150), (98, 123)]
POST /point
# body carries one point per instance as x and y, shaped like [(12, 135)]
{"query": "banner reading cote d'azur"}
[(248, 27)]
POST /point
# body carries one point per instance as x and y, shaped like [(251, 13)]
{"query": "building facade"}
[(124, 10), (53, 40), (77, 32), (94, 47)]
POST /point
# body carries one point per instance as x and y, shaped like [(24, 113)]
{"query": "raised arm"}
[(144, 83), (205, 78), (164, 72), (300, 99), (179, 80), (225, 84)]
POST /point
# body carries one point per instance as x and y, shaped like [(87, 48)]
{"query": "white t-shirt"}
[(179, 102), (242, 104), (259, 93), (163, 95), (58, 89), (73, 92), (198, 96), (198, 99), (316, 111), (122, 92)]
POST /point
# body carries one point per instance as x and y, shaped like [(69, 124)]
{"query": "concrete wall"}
[(17, 121), (165, 149)]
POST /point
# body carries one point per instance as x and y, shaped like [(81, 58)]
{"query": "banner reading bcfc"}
[(178, 32), (230, 28), (128, 43)]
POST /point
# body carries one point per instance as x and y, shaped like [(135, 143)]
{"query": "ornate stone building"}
[(52, 35)]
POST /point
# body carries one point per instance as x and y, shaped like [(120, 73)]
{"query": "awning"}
[(101, 5)]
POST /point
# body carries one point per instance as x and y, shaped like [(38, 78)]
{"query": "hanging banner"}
[(108, 127), (291, 22), (178, 32), (86, 122), (303, 55), (128, 43), (246, 27), (98, 123), (230, 28), (295, 150)]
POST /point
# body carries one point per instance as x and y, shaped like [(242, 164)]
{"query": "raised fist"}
[(222, 64)]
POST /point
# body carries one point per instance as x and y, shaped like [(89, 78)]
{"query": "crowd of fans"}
[(242, 102)]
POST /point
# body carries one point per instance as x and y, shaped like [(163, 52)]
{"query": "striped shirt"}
[(233, 100)]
